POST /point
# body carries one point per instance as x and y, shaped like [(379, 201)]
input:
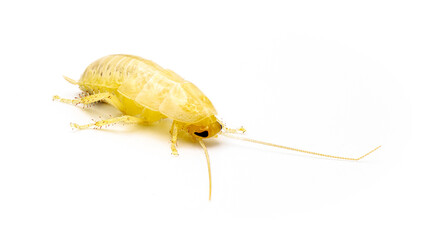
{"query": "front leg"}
[(225, 129), (174, 132)]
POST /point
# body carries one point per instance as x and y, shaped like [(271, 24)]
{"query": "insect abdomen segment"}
[(109, 73), (143, 85)]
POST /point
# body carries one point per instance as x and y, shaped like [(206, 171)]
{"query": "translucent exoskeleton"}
[(145, 93)]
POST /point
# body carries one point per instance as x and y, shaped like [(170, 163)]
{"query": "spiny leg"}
[(104, 96), (225, 129), (240, 130), (100, 124), (84, 100), (174, 132)]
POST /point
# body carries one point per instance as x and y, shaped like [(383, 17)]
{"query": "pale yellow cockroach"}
[(145, 93)]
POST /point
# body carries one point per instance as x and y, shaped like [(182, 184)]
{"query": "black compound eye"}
[(202, 134)]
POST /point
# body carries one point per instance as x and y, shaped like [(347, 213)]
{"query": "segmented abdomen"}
[(149, 85), (108, 73)]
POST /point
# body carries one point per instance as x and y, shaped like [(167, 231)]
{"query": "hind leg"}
[(100, 124), (104, 96)]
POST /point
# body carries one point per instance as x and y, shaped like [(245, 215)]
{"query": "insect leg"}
[(174, 132), (105, 96), (99, 124), (225, 129), (232, 130)]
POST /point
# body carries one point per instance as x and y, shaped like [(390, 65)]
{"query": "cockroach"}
[(145, 93)]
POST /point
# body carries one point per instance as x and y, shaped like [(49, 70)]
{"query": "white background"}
[(327, 76)]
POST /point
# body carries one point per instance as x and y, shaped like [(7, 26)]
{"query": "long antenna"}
[(295, 149), (208, 166)]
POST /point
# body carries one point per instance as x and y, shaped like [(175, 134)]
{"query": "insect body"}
[(145, 93), (141, 89)]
